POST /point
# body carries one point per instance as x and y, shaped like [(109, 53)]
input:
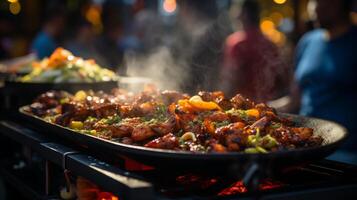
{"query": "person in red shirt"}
[(251, 61)]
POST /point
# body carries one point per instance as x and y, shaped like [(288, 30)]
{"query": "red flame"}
[(194, 180), (239, 188)]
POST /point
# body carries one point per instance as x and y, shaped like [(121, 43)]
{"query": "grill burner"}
[(130, 180)]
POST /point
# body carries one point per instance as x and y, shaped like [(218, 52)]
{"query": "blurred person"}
[(82, 44), (251, 65), (47, 40), (107, 45), (145, 23), (325, 74), (6, 31)]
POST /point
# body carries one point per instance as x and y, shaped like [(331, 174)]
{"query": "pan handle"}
[(252, 177)]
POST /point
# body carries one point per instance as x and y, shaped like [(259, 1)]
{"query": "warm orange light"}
[(279, 1), (12, 1), (15, 8), (267, 26), (93, 16), (354, 17), (169, 6)]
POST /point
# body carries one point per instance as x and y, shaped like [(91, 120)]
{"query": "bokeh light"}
[(15, 8), (268, 28), (279, 1), (169, 6), (93, 16), (267, 25)]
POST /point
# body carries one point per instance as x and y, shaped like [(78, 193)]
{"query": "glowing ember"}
[(236, 188), (192, 180), (90, 191), (239, 188), (106, 196), (132, 165)]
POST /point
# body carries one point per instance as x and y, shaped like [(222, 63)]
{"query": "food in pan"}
[(63, 66), (206, 122)]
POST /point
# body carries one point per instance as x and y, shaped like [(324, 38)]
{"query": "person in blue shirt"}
[(46, 40), (326, 71)]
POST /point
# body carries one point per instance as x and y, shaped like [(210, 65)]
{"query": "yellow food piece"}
[(76, 125), (93, 132), (251, 150), (80, 96), (185, 105), (197, 102), (255, 150), (253, 113), (261, 149), (188, 136)]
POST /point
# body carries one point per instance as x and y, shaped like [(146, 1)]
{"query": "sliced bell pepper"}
[(197, 102)]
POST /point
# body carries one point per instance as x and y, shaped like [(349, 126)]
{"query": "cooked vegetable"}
[(252, 113), (76, 125), (188, 136), (170, 120), (62, 66), (197, 102)]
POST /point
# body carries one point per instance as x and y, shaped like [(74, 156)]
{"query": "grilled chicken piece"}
[(225, 104), (164, 127), (103, 111), (211, 96), (239, 102), (142, 132), (51, 99), (296, 137), (168, 141), (214, 146), (218, 116), (120, 130), (38, 109), (234, 141), (263, 108), (229, 129), (76, 110)]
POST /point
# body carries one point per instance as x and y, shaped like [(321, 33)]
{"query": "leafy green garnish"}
[(222, 123), (151, 121), (91, 119), (195, 122), (111, 120), (160, 115), (275, 125), (239, 113), (64, 100)]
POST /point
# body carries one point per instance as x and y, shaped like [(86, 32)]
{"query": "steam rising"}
[(183, 58), (160, 67)]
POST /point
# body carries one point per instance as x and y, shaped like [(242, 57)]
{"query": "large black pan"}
[(332, 133)]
